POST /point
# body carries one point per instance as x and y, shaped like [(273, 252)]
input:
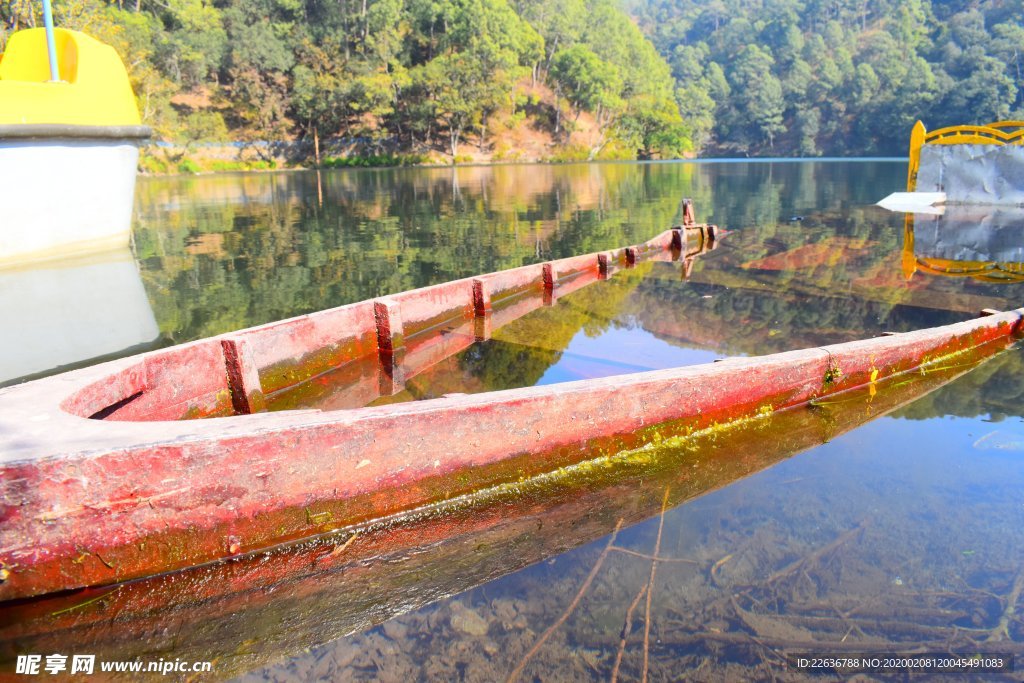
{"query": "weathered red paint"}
[(188, 381), (566, 268), (291, 351), (317, 591), (90, 501)]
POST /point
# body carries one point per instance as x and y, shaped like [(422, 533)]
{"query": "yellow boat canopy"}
[(1000, 133), (93, 91)]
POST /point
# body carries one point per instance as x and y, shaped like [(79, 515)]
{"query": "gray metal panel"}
[(966, 233), (973, 174)]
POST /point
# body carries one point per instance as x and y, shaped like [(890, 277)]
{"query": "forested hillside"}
[(413, 77), (411, 80), (812, 77)]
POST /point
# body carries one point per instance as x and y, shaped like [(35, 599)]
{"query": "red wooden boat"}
[(107, 474), (315, 591)]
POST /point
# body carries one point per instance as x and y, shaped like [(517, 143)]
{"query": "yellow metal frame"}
[(996, 133), (1001, 273), (94, 89)]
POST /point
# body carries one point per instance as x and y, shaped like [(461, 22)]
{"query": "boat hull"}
[(311, 593), (65, 197), (102, 482)]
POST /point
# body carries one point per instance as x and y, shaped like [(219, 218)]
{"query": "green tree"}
[(759, 98), (558, 22), (1008, 46), (460, 89), (259, 63), (866, 69), (655, 128), (587, 81), (192, 43)]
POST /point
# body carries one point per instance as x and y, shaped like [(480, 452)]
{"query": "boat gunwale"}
[(72, 132), (125, 377), (782, 381)]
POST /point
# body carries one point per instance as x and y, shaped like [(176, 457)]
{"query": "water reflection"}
[(984, 243), (225, 252), (72, 312)]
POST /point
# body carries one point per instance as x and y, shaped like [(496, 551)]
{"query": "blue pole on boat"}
[(51, 43)]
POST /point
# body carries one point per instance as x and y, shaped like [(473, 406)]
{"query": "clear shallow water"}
[(902, 533)]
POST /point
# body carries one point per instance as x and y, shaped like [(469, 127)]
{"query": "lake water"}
[(890, 524)]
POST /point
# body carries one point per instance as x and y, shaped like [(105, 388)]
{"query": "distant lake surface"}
[(893, 523)]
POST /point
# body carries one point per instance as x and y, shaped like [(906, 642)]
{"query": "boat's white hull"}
[(64, 198)]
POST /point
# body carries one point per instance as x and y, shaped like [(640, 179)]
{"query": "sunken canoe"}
[(108, 475), (302, 595)]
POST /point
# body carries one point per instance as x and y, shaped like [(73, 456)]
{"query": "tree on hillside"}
[(655, 128), (461, 89), (259, 63), (405, 72), (693, 93), (758, 98), (192, 42), (558, 22), (588, 82)]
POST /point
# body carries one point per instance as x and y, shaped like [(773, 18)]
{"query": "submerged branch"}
[(568, 610), (650, 586)]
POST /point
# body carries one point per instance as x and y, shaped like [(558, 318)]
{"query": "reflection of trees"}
[(376, 232), (520, 352), (993, 389), (755, 321), (503, 365)]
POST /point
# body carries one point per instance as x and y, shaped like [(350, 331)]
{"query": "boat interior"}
[(361, 351)]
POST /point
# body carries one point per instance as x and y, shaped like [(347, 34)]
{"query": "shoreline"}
[(243, 167)]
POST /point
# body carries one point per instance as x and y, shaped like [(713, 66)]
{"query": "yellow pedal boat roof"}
[(93, 91)]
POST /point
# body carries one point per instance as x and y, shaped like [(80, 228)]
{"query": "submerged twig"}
[(627, 551), (650, 586), (817, 554), (777, 644), (1002, 629), (716, 566), (568, 610), (626, 628)]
